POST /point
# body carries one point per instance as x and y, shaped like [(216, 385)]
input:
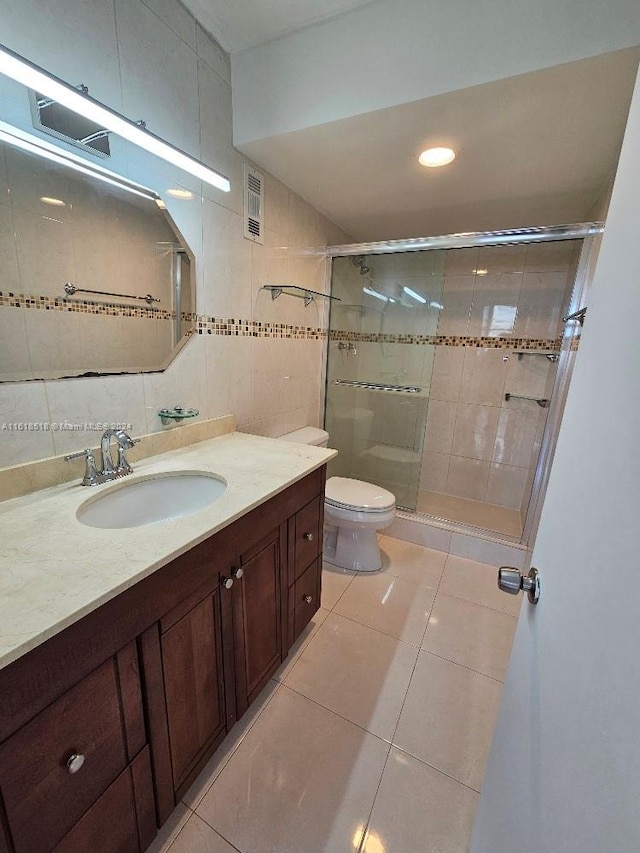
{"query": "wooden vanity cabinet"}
[(146, 687)]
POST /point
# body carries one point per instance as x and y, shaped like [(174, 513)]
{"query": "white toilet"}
[(353, 513)]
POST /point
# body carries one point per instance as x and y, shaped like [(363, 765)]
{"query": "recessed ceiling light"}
[(183, 194), (56, 202), (434, 157), (481, 272)]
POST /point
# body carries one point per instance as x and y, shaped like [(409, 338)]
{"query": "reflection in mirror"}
[(115, 246)]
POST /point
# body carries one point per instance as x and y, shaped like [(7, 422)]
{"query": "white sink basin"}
[(155, 498)]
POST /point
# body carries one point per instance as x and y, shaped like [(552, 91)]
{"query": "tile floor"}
[(373, 735), (481, 514)]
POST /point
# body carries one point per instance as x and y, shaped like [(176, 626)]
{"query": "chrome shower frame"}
[(589, 232)]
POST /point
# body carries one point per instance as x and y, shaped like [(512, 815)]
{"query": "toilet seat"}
[(344, 493)]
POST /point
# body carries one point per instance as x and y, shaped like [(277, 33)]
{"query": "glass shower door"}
[(380, 362)]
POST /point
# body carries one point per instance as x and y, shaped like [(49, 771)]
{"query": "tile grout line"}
[(361, 849), (213, 829), (437, 769)]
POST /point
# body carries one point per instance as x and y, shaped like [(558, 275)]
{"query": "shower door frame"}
[(586, 231)]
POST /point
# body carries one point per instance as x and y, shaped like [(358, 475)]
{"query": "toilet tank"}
[(308, 435)]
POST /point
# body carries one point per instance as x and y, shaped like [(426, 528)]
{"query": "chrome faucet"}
[(109, 471)]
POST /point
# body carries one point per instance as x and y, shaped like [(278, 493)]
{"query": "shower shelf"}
[(542, 402), (299, 292), (552, 356)]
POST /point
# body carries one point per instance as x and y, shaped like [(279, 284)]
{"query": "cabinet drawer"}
[(306, 597), (43, 799), (110, 824), (307, 535)]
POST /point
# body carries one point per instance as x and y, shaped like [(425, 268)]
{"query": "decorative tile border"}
[(205, 325), (534, 344), (82, 306), (255, 329)]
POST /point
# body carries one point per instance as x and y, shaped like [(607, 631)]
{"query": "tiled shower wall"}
[(151, 60), (457, 435), (478, 445)]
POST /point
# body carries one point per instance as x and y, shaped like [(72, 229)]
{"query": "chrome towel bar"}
[(71, 289), (542, 402)]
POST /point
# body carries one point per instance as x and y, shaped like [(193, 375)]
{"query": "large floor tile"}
[(303, 779), (301, 643), (412, 562), (334, 583), (197, 837), (468, 634), (419, 809), (388, 604), (357, 672), (168, 832), (448, 718), (222, 755), (476, 582)]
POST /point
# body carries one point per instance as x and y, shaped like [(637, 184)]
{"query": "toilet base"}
[(352, 548)]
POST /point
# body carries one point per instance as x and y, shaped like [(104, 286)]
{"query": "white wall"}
[(151, 60), (396, 51)]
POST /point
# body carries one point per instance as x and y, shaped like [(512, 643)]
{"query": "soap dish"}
[(177, 414)]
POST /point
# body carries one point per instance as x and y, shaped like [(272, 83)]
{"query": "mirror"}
[(129, 304)]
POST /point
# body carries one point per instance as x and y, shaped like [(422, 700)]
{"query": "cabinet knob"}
[(227, 583), (308, 537), (307, 599), (237, 573), (74, 762)]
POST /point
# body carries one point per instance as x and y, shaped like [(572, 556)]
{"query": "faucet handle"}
[(90, 471)]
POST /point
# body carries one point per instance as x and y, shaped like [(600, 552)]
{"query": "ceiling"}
[(533, 149), (240, 25)]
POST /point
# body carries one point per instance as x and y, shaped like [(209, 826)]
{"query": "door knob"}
[(237, 573), (512, 581), (227, 583)]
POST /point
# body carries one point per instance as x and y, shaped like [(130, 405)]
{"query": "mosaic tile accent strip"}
[(81, 306), (534, 344), (203, 325), (255, 329)]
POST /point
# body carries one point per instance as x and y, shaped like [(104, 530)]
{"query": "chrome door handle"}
[(512, 581)]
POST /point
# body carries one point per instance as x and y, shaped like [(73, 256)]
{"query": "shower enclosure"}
[(448, 362)]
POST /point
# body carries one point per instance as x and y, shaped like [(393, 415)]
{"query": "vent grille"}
[(253, 205)]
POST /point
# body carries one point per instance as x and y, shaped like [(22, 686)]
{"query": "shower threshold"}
[(480, 514)]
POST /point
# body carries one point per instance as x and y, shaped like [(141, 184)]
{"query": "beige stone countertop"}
[(54, 569)]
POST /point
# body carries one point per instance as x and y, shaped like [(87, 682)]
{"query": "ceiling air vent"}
[(253, 205)]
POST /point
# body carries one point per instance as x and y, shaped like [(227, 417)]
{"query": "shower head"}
[(358, 261)]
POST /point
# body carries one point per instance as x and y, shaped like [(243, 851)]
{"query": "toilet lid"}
[(356, 494)]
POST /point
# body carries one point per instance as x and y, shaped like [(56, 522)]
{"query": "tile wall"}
[(151, 60), (457, 436), (478, 445)]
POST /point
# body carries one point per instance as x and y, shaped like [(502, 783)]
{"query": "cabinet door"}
[(257, 616), (191, 645)]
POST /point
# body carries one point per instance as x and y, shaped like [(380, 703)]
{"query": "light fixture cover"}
[(33, 77), (434, 157)]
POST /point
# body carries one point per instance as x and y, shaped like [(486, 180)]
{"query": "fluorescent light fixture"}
[(438, 305), (55, 202), (184, 195), (33, 77), (434, 157), (481, 272), (33, 145), (375, 293), (414, 295)]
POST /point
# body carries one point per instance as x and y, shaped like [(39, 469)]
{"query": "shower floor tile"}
[(476, 513)]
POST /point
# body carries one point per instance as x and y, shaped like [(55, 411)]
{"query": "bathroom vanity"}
[(106, 722)]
